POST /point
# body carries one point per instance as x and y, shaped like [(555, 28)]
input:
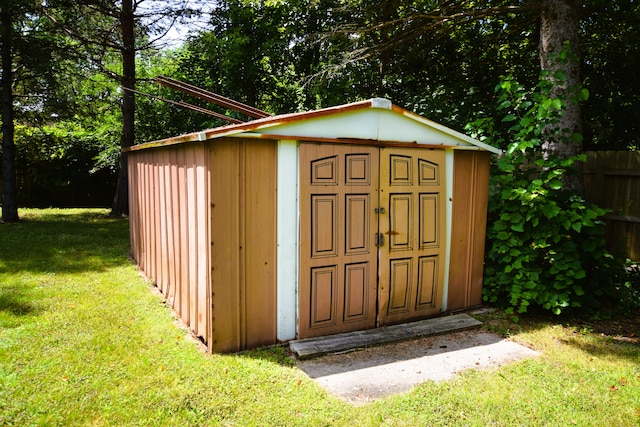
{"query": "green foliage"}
[(545, 244), (610, 46), (629, 288), (64, 164)]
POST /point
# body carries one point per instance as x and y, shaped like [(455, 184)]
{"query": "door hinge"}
[(379, 240)]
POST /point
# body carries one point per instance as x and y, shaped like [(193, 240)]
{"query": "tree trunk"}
[(9, 184), (121, 200), (558, 26)]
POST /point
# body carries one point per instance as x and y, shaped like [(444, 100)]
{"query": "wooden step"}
[(315, 347)]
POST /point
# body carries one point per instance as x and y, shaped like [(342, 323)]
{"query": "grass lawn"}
[(84, 340)]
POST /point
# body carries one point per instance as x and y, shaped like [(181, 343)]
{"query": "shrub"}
[(545, 244)]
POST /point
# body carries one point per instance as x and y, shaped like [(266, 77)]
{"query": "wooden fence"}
[(612, 180)]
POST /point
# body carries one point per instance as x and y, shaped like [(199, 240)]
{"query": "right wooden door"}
[(411, 256)]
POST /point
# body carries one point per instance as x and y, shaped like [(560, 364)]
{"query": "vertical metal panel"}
[(469, 217), (225, 246), (133, 203), (163, 270), (146, 194), (182, 305), (193, 235), (169, 199), (203, 241), (243, 239), (260, 241), (174, 235), (155, 220)]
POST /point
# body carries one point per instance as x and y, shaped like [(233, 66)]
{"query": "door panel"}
[(358, 229), (324, 220), (356, 283), (401, 222), (324, 283), (411, 265), (400, 285), (338, 257)]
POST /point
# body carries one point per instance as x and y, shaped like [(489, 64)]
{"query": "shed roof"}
[(375, 119)]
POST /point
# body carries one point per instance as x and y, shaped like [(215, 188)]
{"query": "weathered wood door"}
[(411, 270), (371, 230)]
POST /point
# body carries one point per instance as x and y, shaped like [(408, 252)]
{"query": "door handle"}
[(379, 240)]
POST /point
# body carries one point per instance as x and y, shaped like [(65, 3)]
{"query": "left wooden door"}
[(338, 224)]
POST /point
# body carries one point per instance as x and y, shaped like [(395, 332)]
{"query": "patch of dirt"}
[(622, 327)]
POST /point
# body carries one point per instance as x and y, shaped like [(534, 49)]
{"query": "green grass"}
[(85, 341)]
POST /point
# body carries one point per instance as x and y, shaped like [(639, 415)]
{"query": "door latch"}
[(379, 240)]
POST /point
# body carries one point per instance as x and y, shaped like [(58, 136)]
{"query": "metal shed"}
[(310, 224)]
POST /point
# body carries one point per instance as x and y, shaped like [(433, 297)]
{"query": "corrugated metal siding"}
[(243, 230), (469, 222), (168, 200)]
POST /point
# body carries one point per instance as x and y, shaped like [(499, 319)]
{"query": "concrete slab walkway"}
[(363, 375)]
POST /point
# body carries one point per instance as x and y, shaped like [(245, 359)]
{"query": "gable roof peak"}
[(381, 103)]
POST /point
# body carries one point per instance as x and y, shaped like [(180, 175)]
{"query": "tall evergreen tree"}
[(31, 53), (124, 27), (9, 190)]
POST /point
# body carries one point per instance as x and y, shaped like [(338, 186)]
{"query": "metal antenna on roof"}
[(211, 97), (189, 106)]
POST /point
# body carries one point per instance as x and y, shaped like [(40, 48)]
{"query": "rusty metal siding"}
[(469, 220), (168, 196)]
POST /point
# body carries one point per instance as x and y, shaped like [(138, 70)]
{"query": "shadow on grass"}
[(277, 354), (616, 336), (14, 301), (608, 346), (16, 305), (63, 241)]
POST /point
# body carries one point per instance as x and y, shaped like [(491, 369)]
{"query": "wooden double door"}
[(372, 230)]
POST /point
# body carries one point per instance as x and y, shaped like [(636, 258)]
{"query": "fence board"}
[(612, 180)]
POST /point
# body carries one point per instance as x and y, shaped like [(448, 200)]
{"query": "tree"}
[(126, 27), (9, 190), (560, 57), (254, 52), (31, 57), (610, 42), (273, 55), (398, 27)]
